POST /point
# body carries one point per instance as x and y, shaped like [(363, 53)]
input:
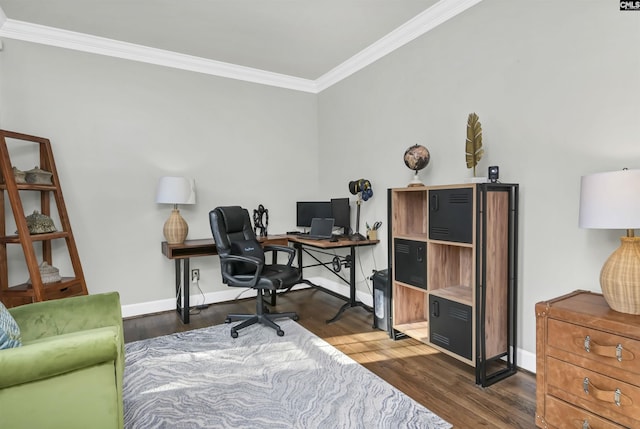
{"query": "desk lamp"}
[(176, 190), (361, 188), (612, 200)]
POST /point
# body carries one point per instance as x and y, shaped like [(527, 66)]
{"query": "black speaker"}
[(494, 173)]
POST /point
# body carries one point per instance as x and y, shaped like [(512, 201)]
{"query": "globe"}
[(417, 157)]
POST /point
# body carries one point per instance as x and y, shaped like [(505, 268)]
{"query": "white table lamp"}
[(612, 201), (176, 190)]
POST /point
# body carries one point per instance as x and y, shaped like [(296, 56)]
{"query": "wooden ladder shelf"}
[(34, 290)]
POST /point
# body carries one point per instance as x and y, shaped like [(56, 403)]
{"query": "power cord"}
[(197, 308), (364, 276)]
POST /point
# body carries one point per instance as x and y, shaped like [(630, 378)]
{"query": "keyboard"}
[(316, 237)]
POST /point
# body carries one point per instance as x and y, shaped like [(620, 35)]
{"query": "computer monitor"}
[(341, 212), (307, 210)]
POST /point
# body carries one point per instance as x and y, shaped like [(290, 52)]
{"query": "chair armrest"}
[(57, 355), (249, 281), (286, 249), (63, 316)]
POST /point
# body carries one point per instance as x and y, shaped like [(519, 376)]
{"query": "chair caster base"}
[(234, 333), (280, 333)]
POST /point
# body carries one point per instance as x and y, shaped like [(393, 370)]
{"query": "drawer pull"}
[(591, 346), (619, 352), (585, 424), (587, 344), (614, 396)]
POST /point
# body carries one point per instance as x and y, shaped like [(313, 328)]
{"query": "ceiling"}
[(301, 39)]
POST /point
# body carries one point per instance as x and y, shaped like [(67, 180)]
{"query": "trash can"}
[(382, 301)]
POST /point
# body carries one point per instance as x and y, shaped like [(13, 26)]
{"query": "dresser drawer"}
[(595, 392), (601, 347), (561, 415)]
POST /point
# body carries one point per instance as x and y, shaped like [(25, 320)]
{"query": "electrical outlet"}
[(195, 275)]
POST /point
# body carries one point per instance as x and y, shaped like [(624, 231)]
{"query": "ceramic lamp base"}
[(175, 228), (620, 277)]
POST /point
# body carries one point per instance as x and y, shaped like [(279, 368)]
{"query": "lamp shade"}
[(176, 190), (610, 200)]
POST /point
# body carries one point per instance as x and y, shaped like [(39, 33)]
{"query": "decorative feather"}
[(473, 147)]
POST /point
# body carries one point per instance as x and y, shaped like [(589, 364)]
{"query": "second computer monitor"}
[(341, 212)]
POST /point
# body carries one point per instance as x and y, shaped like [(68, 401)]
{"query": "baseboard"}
[(229, 294), (526, 360)]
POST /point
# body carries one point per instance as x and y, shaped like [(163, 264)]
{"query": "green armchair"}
[(69, 371)]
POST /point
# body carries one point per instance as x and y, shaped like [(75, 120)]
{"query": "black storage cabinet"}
[(450, 325)]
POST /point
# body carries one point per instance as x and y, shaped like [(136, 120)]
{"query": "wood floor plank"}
[(443, 384)]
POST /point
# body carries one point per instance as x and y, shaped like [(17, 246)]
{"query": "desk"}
[(181, 253), (301, 244)]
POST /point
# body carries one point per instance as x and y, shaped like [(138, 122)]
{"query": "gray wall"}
[(556, 87), (116, 126), (554, 83)]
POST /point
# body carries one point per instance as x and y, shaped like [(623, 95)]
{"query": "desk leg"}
[(351, 301), (182, 299), (352, 290)]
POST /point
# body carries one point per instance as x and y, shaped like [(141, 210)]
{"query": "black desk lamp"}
[(361, 188)]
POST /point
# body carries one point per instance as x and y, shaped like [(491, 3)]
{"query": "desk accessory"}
[(261, 220), (610, 201), (416, 158), (176, 190), (362, 188), (372, 231), (494, 173)]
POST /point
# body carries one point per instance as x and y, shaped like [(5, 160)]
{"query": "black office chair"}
[(242, 263)]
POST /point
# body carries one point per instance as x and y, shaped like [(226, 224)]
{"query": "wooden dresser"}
[(587, 364)]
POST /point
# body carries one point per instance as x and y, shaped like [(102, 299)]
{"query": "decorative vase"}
[(175, 228), (620, 277)]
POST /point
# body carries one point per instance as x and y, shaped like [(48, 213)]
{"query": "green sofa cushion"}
[(9, 330)]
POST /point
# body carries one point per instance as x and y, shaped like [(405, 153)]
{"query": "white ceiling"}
[(301, 39)]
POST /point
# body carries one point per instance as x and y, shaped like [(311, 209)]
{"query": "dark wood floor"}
[(439, 382)]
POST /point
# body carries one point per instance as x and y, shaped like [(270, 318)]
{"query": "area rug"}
[(206, 379)]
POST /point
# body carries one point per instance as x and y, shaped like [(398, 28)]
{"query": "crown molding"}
[(41, 34), (412, 29)]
